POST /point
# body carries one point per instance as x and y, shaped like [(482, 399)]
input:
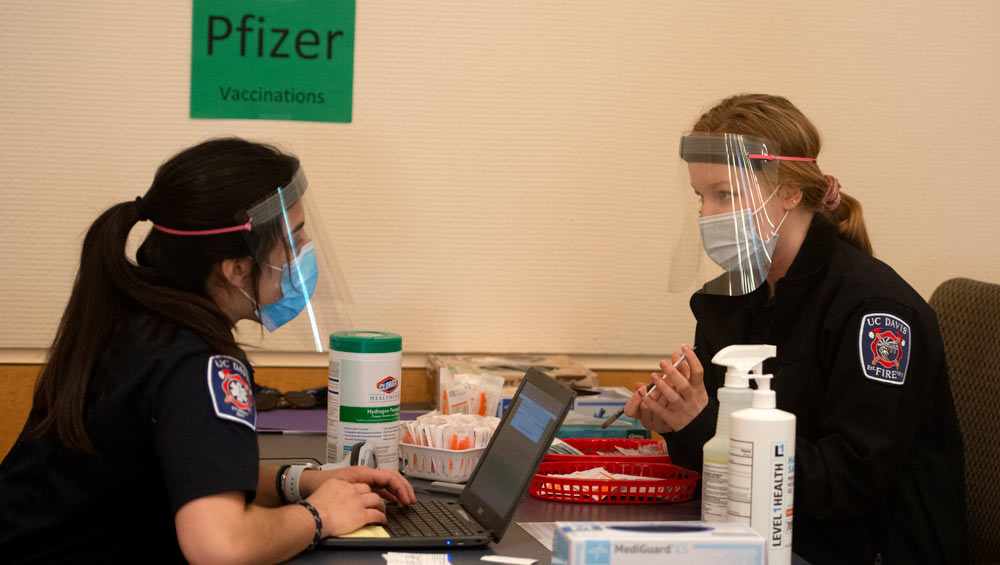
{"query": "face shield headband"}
[(263, 211)]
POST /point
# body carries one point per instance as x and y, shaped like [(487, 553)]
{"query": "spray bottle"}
[(762, 471), (740, 361)]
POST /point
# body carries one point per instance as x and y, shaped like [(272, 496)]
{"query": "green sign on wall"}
[(273, 59)]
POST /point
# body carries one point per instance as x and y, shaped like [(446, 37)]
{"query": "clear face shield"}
[(301, 289), (732, 214)]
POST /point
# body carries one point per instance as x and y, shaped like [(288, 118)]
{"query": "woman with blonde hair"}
[(879, 472)]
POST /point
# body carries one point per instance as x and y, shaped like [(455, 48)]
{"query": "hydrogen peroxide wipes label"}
[(364, 406)]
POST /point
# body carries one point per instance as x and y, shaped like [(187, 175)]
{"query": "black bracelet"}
[(319, 524), (278, 484)]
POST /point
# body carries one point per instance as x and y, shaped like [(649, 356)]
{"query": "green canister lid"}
[(366, 342)]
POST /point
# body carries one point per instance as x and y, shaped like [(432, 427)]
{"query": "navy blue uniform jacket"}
[(879, 470), (175, 422)]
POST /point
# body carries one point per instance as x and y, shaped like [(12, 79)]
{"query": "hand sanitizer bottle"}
[(740, 361), (762, 471)]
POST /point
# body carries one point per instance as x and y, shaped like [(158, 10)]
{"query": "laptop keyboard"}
[(423, 519)]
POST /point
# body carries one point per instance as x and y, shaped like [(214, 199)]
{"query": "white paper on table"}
[(507, 560), (397, 558)]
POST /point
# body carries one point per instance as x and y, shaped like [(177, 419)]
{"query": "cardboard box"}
[(627, 543), (511, 367)]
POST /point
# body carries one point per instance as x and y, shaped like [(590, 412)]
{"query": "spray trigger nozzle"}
[(742, 362)]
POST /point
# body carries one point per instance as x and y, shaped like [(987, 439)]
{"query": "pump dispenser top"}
[(763, 397)]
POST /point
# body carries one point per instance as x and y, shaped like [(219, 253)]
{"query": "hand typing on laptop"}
[(390, 485), (345, 507), (351, 497)]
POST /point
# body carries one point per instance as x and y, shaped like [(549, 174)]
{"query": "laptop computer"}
[(487, 504)]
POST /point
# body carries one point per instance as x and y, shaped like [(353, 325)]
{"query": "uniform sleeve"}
[(883, 360), (685, 446), (204, 428)]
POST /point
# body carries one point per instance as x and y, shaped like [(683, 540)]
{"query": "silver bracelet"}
[(290, 486)]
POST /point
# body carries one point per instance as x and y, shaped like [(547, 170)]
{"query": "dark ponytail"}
[(207, 186)]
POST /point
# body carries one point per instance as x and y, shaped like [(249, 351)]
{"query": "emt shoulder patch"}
[(229, 386), (884, 343)]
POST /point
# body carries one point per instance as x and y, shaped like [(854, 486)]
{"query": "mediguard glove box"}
[(627, 543)]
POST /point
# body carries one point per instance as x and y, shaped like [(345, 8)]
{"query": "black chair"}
[(969, 315)]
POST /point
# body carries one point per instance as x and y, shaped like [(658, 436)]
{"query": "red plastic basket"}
[(672, 484), (604, 448)]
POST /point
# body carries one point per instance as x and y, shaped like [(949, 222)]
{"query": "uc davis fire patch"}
[(884, 347), (229, 385)]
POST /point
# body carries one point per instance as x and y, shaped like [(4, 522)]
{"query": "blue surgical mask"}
[(732, 242), (297, 279)]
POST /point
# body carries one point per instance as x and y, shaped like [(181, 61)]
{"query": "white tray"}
[(438, 464)]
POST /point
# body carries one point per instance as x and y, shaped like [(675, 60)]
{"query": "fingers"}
[(388, 481), (361, 488), (667, 391), (388, 495), (673, 359), (373, 500), (650, 419), (394, 483), (669, 366), (655, 410), (401, 488), (374, 517), (679, 384), (697, 377), (688, 377), (634, 401)]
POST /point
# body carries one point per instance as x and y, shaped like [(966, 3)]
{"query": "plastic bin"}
[(671, 483), (438, 464)]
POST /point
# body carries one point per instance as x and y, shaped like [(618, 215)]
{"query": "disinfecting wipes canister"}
[(364, 391)]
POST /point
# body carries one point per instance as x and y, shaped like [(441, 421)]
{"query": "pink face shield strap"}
[(780, 158), (244, 227)]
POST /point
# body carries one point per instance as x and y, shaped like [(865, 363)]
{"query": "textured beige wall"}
[(506, 184)]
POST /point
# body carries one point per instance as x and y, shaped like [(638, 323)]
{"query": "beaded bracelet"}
[(319, 524), (278, 480)]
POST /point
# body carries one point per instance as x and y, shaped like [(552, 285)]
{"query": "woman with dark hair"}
[(141, 439), (878, 455)]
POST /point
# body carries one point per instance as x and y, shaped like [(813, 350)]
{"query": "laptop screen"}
[(517, 447)]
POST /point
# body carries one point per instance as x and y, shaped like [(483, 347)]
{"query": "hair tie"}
[(831, 199), (140, 209)]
